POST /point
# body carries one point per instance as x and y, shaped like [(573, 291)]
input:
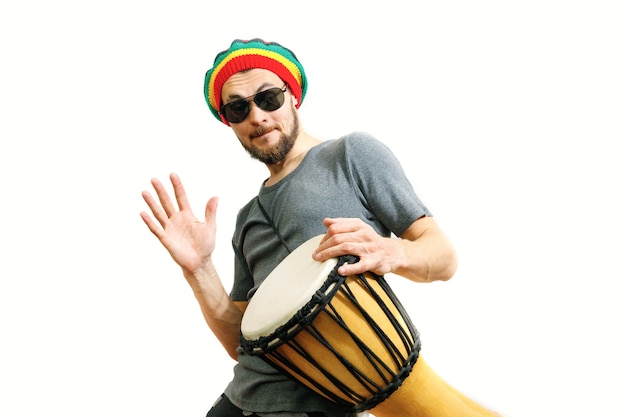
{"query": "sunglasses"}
[(267, 100)]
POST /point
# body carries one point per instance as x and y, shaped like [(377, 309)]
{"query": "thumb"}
[(211, 209)]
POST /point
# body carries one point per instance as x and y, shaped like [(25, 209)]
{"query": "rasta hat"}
[(256, 53)]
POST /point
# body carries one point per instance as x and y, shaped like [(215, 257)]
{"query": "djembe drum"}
[(346, 338)]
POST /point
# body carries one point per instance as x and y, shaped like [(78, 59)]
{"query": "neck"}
[(280, 170)]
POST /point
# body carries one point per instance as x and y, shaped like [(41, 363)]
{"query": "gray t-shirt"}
[(355, 176)]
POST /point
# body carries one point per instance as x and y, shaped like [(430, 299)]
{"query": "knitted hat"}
[(255, 53)]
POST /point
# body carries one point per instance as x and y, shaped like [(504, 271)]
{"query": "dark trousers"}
[(224, 408)]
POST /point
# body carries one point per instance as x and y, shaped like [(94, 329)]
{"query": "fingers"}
[(353, 237), (352, 269), (156, 210), (167, 208), (339, 229), (343, 225), (179, 192), (345, 237), (164, 198), (342, 231), (151, 224)]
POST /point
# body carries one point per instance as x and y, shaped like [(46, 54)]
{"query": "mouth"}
[(260, 131)]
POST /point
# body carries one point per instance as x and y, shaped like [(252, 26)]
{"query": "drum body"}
[(346, 338)]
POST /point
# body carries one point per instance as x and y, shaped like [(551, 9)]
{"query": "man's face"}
[(267, 135)]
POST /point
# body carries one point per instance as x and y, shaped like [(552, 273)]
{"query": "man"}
[(352, 190)]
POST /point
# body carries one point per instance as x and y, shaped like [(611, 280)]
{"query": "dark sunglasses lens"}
[(237, 111), (270, 100)]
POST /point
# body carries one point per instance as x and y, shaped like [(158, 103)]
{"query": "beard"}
[(279, 152)]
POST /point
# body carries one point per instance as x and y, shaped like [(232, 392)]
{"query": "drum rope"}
[(353, 395), (395, 353), (407, 339)]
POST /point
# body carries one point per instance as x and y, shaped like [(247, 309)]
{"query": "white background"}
[(509, 118)]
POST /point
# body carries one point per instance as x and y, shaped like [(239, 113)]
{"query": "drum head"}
[(285, 291)]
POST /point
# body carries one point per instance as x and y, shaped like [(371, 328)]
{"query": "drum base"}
[(425, 394)]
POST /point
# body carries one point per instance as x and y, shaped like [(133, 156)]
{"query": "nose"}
[(256, 115)]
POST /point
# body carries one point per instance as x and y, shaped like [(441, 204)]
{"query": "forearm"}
[(425, 254), (424, 261), (220, 313)]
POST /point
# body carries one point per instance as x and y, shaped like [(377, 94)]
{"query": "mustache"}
[(260, 131)]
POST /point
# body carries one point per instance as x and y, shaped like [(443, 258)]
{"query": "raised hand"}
[(189, 241)]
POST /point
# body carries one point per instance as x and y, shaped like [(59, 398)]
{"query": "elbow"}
[(448, 273), (447, 267), (452, 263)]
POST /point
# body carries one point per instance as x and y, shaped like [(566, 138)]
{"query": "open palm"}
[(189, 241)]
